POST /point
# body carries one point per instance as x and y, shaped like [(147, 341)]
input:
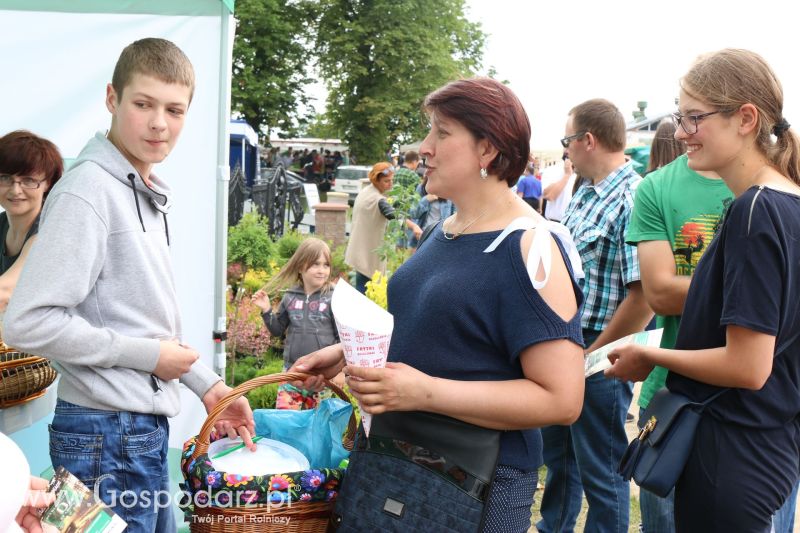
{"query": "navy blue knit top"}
[(467, 315)]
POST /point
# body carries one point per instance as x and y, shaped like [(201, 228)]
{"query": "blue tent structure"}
[(244, 150)]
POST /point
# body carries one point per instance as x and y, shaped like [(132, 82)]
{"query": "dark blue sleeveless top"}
[(467, 315)]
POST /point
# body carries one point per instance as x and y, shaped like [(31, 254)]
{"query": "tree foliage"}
[(379, 58), (320, 126), (270, 60)]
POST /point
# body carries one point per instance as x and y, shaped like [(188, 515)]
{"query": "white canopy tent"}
[(58, 56)]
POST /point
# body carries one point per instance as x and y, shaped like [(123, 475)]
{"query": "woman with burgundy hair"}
[(485, 312), (29, 167)]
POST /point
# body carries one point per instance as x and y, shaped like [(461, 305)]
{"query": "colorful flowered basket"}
[(294, 502)]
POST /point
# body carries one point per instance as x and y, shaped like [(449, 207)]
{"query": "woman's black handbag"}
[(655, 459), (418, 472)]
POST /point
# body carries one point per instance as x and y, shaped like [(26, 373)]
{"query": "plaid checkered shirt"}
[(597, 217), (405, 176)]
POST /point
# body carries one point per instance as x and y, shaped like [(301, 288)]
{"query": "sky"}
[(556, 54)]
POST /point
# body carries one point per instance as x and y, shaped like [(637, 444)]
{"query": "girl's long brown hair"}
[(291, 273), (665, 148)]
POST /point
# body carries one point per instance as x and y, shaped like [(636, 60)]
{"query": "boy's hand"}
[(236, 419), (35, 500), (174, 360), (261, 300)]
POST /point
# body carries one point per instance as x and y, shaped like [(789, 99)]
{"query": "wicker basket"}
[(23, 377), (300, 517)]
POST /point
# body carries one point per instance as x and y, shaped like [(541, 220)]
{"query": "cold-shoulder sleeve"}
[(523, 315)]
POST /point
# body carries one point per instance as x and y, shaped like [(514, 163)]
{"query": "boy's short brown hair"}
[(154, 57), (411, 156)]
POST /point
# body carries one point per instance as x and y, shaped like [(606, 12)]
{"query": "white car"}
[(350, 179)]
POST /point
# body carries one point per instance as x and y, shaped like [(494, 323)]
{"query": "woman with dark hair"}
[(739, 336), (29, 167), (665, 148), (486, 324), (371, 214)]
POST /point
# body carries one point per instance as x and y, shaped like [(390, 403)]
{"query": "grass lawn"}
[(635, 515)]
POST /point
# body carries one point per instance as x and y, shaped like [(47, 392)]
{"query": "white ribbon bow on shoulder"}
[(540, 252)]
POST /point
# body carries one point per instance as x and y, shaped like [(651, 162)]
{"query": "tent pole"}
[(223, 179)]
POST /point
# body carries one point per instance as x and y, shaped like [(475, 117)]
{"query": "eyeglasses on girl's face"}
[(689, 123), (26, 182)]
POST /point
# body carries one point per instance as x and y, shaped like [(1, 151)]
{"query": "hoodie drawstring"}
[(132, 178), (166, 226)]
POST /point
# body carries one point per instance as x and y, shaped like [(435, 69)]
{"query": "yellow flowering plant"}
[(376, 289)]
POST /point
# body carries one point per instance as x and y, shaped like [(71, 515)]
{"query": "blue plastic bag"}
[(317, 433)]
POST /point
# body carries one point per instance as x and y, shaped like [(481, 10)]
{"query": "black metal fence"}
[(237, 193), (275, 195)]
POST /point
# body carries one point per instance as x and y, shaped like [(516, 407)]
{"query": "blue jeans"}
[(585, 456), (658, 514), (783, 519), (561, 500), (122, 457), (361, 282)]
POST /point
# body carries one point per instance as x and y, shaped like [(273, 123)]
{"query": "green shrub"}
[(264, 396), (287, 245), (249, 242), (254, 279), (247, 368), (338, 266), (244, 369)]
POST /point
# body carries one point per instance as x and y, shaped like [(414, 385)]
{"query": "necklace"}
[(456, 235), (757, 173)]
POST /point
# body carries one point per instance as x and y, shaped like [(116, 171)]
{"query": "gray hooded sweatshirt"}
[(97, 290)]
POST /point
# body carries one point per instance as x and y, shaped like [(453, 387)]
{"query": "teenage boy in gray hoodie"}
[(97, 296)]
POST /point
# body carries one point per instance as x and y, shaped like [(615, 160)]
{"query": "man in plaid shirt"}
[(406, 176), (586, 454)]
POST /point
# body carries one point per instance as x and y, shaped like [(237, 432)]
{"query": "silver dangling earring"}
[(484, 173)]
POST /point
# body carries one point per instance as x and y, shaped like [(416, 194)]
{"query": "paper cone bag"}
[(365, 330)]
